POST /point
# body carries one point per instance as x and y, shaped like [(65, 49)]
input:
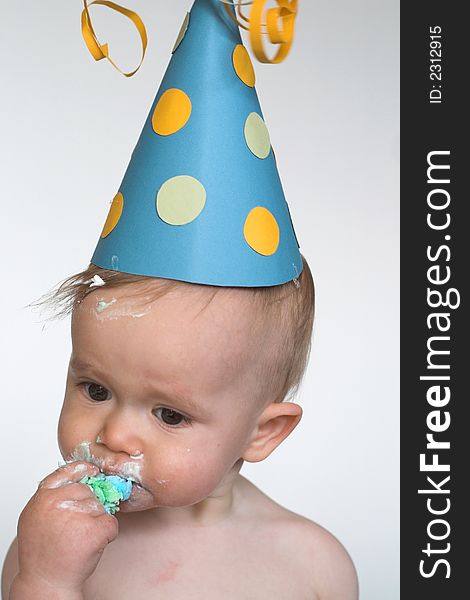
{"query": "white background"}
[(68, 126)]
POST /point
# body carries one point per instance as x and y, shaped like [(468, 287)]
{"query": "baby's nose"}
[(119, 433)]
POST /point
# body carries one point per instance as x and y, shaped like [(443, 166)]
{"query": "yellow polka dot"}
[(114, 214), (172, 112), (257, 135), (243, 65), (261, 231), (182, 33), (180, 200)]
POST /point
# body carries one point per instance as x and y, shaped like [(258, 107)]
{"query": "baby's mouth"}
[(130, 469), (140, 499), (127, 470), (135, 484), (139, 494)]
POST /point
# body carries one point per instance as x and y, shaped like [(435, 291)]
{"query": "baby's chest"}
[(198, 573)]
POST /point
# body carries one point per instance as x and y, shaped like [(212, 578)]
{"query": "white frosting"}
[(137, 456), (123, 309), (76, 506), (96, 281), (128, 470), (102, 305)]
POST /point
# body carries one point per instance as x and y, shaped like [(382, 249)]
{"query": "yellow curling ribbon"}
[(100, 51), (238, 5), (279, 26)]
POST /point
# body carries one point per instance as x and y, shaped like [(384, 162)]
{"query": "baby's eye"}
[(97, 392), (170, 417)]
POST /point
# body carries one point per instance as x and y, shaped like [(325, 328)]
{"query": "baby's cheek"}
[(66, 436), (186, 480), (73, 431)]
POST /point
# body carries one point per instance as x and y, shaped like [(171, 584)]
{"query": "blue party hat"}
[(201, 200)]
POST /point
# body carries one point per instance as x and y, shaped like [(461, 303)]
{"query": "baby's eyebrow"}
[(183, 401), (78, 364)]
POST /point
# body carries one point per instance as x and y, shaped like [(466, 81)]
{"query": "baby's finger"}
[(70, 473), (108, 525), (90, 506), (71, 491)]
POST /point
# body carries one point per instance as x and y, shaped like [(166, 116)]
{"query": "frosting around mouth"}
[(131, 469)]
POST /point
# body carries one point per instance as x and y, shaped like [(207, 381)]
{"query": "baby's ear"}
[(274, 424)]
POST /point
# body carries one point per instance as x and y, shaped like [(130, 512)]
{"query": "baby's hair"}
[(287, 309)]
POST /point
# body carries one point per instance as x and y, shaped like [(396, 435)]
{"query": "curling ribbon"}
[(279, 25), (100, 51)]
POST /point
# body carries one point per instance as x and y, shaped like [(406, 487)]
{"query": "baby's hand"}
[(63, 531)]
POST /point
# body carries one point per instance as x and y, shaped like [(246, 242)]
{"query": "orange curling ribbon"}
[(100, 51), (279, 25), (238, 5)]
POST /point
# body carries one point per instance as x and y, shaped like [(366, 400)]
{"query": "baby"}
[(174, 385)]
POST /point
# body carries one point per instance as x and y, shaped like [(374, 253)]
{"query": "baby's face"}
[(163, 392)]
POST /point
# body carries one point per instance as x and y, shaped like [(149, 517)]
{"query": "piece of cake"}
[(109, 489)]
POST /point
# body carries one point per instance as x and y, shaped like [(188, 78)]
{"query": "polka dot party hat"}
[(201, 200)]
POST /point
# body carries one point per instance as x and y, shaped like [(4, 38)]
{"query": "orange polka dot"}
[(114, 214), (243, 66), (172, 112), (261, 231)]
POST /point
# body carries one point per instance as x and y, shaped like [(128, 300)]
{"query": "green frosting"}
[(109, 489)]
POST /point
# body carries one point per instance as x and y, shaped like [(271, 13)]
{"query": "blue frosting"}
[(110, 490), (124, 486)]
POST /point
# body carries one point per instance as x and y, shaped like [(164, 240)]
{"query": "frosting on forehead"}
[(114, 309)]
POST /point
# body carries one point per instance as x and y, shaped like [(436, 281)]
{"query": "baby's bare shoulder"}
[(10, 569), (322, 554), (317, 552)]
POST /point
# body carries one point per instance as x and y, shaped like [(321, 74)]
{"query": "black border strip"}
[(434, 254)]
